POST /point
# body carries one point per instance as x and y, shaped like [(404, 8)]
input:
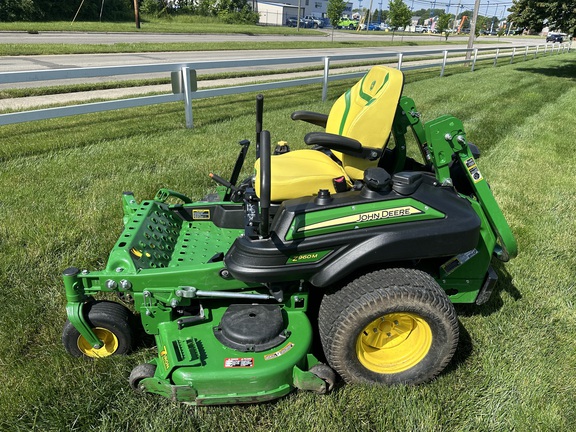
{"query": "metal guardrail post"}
[(400, 56), (526, 53), (325, 79), (513, 53), (444, 63), (474, 60), (536, 52), (187, 97), (496, 57)]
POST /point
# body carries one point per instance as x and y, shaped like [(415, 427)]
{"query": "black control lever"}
[(222, 181)]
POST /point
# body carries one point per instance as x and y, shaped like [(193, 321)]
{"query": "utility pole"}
[(136, 14), (473, 28), (299, 12), (456, 14), (369, 15)]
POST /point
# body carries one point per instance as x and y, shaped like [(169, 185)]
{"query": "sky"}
[(487, 8)]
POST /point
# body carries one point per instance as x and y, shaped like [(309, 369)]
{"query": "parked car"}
[(421, 29), (347, 23), (371, 27), (384, 27), (293, 22), (554, 38), (316, 22)]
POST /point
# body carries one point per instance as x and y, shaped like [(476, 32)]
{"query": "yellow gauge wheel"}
[(109, 347), (394, 343)]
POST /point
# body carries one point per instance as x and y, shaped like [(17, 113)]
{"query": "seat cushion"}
[(301, 173)]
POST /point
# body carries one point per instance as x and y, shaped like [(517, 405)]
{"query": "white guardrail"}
[(183, 76)]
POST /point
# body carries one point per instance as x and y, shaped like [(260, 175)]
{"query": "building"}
[(272, 13), (276, 13)]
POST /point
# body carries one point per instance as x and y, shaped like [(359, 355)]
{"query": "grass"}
[(60, 187)]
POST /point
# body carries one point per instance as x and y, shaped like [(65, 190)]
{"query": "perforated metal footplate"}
[(200, 241), (156, 237)]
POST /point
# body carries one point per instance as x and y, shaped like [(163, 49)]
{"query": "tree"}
[(424, 14), (528, 13), (400, 15), (18, 10), (58, 10), (443, 24), (334, 11), (533, 14)]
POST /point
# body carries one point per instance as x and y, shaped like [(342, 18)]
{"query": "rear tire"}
[(110, 322), (394, 326)]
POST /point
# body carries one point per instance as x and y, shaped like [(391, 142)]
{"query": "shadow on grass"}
[(566, 70), (464, 350), (504, 284), (465, 345)]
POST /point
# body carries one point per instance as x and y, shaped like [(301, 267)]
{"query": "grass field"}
[(60, 205)]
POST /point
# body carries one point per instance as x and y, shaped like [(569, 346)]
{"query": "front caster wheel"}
[(145, 370), (110, 322), (394, 326), (326, 374)]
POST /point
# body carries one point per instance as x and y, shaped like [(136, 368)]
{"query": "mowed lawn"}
[(60, 205)]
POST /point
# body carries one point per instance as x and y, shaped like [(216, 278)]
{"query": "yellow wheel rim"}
[(394, 343), (109, 346)]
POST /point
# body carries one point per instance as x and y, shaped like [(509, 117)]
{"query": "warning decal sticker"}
[(201, 214), (279, 353), (246, 362), (473, 170)]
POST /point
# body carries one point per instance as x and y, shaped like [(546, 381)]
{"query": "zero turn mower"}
[(227, 285)]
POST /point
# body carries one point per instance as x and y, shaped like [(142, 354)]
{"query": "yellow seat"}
[(364, 113)]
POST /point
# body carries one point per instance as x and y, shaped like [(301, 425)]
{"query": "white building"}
[(275, 13), (272, 13)]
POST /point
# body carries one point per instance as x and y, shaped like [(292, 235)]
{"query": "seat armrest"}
[(334, 142), (343, 144), (314, 118)]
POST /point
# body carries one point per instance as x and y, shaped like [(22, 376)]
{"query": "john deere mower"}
[(349, 241)]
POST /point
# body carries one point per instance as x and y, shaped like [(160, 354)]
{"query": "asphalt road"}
[(113, 38)]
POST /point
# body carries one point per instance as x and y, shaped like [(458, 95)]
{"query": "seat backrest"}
[(365, 113)]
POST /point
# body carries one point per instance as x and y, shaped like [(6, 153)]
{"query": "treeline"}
[(58, 10), (233, 11)]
